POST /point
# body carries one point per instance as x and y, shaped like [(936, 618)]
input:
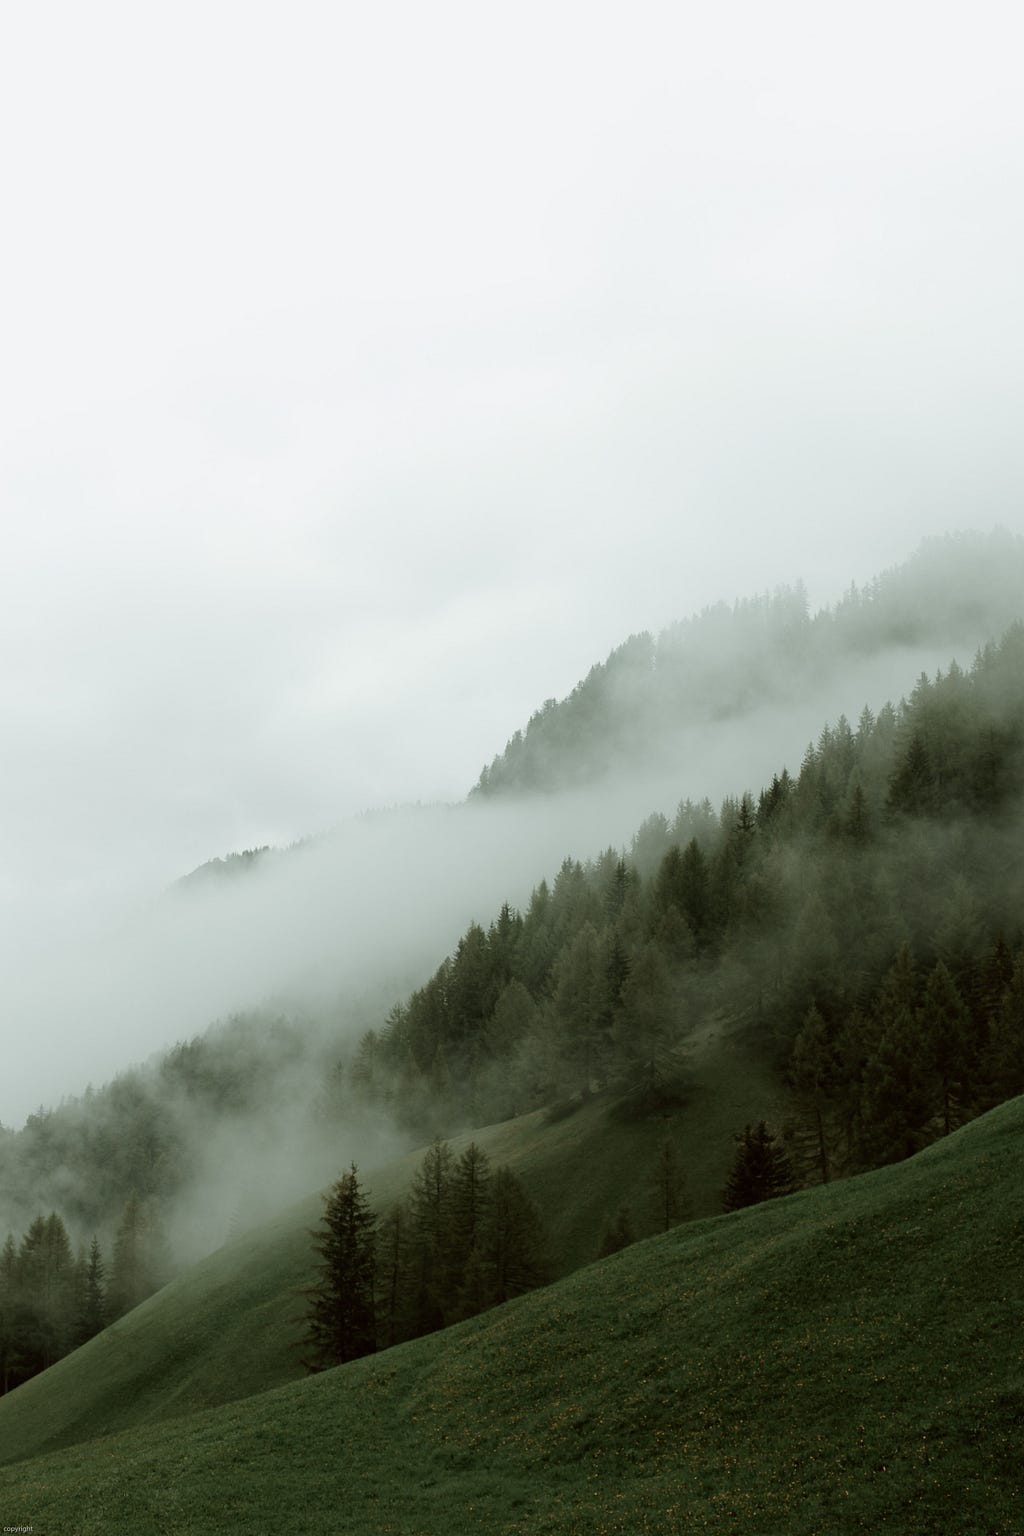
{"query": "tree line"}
[(861, 918), (466, 1238), (53, 1299), (733, 658)]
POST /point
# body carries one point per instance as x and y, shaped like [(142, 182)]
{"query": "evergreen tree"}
[(666, 1186), (140, 1263), (898, 1101), (1005, 1063), (812, 1068), (366, 1068), (646, 1029), (580, 1004), (430, 1204), (469, 1195), (512, 1240), (760, 1169), (8, 1311), (92, 1310), (341, 1320), (43, 1297), (946, 1037), (394, 1303)]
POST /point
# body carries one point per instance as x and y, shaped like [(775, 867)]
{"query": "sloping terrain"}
[(847, 1359), (730, 662), (228, 1327)]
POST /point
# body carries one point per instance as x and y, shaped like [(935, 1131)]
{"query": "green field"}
[(227, 1327), (848, 1359)]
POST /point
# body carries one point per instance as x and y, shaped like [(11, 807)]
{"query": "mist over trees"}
[(732, 659), (858, 919), (862, 918)]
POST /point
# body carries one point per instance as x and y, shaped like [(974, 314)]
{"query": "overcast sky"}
[(368, 372)]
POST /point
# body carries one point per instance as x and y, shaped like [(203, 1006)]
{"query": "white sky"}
[(368, 372)]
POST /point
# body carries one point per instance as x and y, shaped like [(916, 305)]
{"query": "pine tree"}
[(42, 1326), (645, 1032), (92, 1312), (341, 1319), (394, 1302), (760, 1169), (812, 1068), (512, 1241), (430, 1206), (1006, 1041), (469, 1196), (666, 1186), (898, 1101), (140, 1263), (946, 1027), (580, 1004), (8, 1311)]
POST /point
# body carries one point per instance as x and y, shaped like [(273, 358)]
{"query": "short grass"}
[(849, 1359), (227, 1328)]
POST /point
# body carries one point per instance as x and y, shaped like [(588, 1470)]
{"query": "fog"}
[(368, 376), (339, 928)]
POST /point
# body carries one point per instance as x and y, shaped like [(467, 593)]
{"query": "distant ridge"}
[(959, 590), (229, 867)]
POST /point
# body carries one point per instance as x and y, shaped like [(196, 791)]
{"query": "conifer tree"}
[(666, 1186), (140, 1259), (580, 1006), (946, 1025), (341, 1319), (394, 1275), (812, 1069), (760, 1169), (430, 1207), (92, 1312), (512, 1246), (1005, 1064), (8, 1311), (897, 1098), (470, 1181), (645, 1032)]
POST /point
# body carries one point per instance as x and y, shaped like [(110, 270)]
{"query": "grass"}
[(849, 1359), (226, 1329)]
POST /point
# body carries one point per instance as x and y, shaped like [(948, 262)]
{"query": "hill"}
[(860, 923), (630, 713), (227, 1327), (848, 1358)]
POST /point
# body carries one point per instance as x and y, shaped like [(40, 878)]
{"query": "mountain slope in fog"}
[(227, 1327), (637, 710), (844, 1358)]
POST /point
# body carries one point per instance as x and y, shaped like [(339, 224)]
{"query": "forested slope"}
[(855, 931), (626, 716), (862, 918), (232, 1325)]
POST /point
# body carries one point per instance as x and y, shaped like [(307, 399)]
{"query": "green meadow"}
[(848, 1359), (228, 1326)]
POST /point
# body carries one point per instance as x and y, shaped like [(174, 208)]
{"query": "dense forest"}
[(858, 920), (862, 918)]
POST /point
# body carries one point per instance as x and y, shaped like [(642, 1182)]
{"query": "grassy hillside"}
[(847, 1359), (226, 1328)]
